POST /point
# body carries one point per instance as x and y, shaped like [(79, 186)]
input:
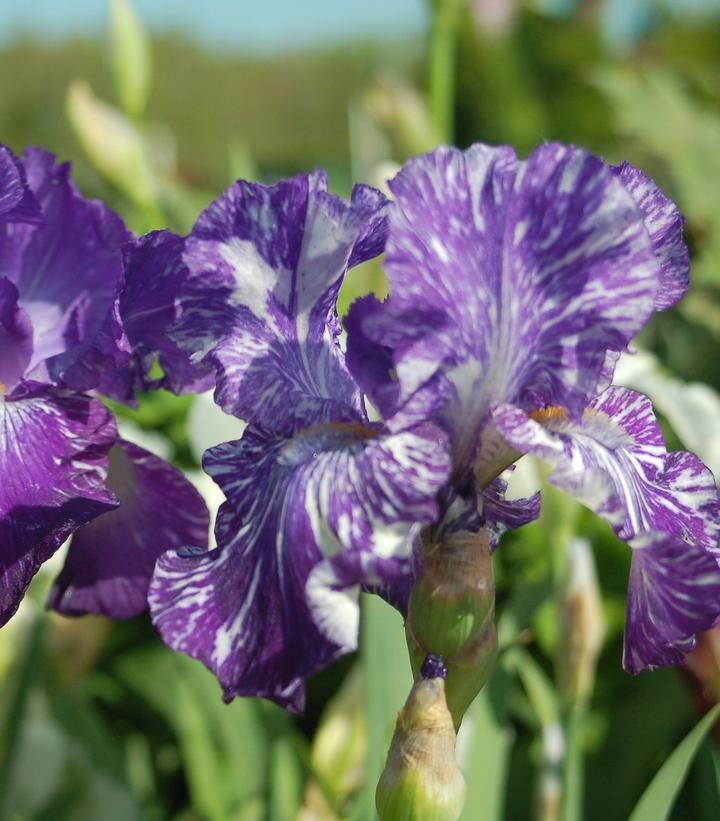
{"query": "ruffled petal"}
[(614, 461), (111, 559), (371, 238), (155, 276), (53, 463), (266, 265), (673, 594), (17, 202), (68, 271), (501, 514), (16, 337), (307, 520), (664, 223), (509, 282)]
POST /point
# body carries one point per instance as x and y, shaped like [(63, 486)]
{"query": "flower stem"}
[(573, 775), (441, 79)]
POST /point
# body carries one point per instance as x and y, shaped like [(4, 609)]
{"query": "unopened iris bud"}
[(421, 780), (581, 625), (452, 614), (402, 113)]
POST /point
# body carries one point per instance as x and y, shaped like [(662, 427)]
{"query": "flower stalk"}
[(441, 80), (581, 632)]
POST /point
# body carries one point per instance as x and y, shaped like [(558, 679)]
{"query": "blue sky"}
[(279, 25), (246, 25)]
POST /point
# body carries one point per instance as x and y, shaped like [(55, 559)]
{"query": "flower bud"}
[(581, 625), (421, 780), (451, 614), (402, 113)]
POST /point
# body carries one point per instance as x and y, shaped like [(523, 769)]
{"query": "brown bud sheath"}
[(421, 780)]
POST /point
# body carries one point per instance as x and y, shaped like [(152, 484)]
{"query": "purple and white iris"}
[(63, 469), (320, 499), (515, 285)]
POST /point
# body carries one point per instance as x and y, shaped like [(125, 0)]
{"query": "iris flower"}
[(515, 285), (320, 499), (63, 469)]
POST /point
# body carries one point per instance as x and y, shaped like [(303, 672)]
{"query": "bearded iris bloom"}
[(515, 285), (319, 499), (63, 469)]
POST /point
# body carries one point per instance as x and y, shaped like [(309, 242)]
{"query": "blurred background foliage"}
[(99, 720)]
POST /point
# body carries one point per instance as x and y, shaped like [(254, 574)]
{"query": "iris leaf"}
[(657, 800), (484, 743)]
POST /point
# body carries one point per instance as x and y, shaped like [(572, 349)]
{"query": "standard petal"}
[(370, 241), (509, 283), (248, 609), (155, 276), (614, 461), (53, 463), (68, 271), (266, 264), (664, 223), (16, 337), (673, 594), (17, 202), (111, 559)]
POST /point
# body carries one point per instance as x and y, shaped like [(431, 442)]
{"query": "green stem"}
[(13, 719), (573, 764), (441, 80)]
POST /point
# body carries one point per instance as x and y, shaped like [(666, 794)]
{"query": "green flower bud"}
[(582, 625), (421, 780), (451, 614)]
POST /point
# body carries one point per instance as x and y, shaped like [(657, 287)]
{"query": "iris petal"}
[(265, 266), (155, 276), (111, 559), (664, 223), (17, 202), (16, 337), (307, 520), (510, 281), (68, 272), (673, 594), (614, 461), (53, 463)]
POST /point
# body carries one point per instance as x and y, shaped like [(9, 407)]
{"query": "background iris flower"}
[(64, 469)]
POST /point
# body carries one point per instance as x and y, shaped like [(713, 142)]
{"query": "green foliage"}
[(225, 750), (387, 682), (688, 145), (657, 801), (488, 736)]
